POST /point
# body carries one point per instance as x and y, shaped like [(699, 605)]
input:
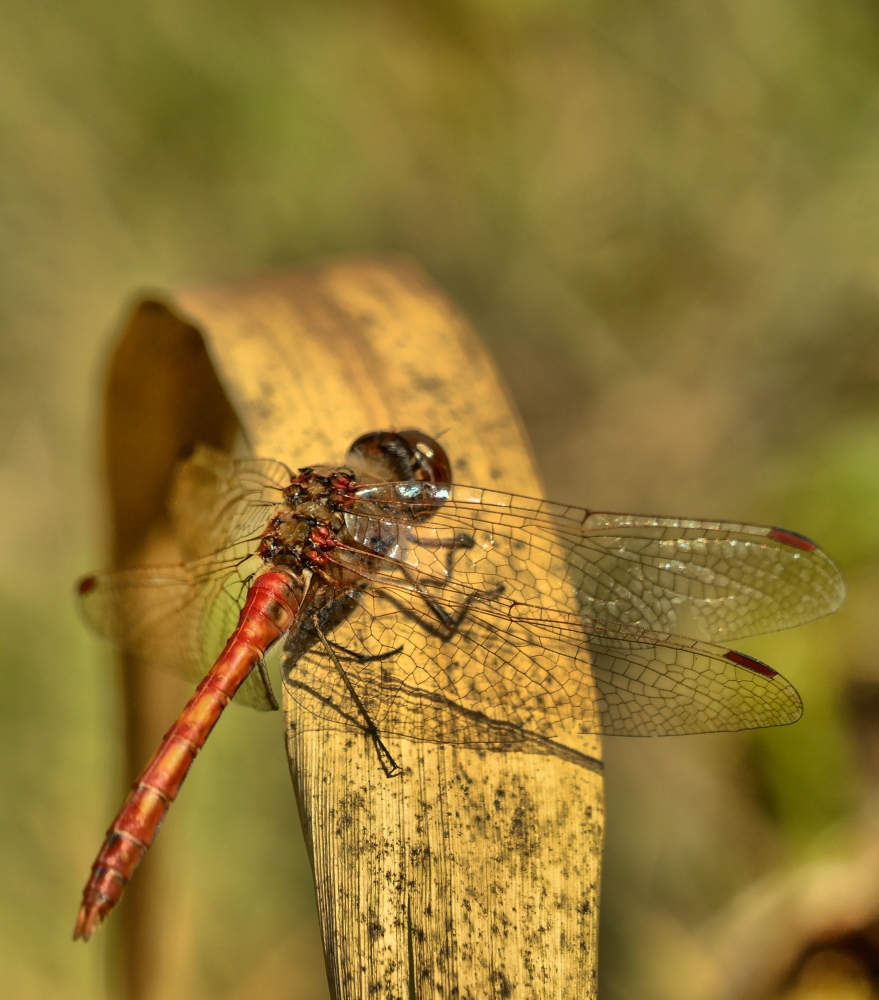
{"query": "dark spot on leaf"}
[(503, 988)]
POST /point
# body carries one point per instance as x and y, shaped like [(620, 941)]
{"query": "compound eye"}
[(432, 462), (402, 455)]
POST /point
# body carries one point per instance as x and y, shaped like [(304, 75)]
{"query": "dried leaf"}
[(475, 874)]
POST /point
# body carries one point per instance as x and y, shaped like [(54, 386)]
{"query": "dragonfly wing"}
[(737, 580), (408, 682), (733, 579), (511, 672), (218, 502), (651, 683), (176, 618)]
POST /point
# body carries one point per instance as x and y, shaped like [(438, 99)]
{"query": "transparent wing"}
[(218, 503), (730, 580), (493, 671), (178, 618)]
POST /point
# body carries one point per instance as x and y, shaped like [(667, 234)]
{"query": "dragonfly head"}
[(394, 456)]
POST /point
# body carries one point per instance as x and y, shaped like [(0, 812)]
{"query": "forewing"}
[(733, 580), (511, 672), (224, 504), (176, 618)]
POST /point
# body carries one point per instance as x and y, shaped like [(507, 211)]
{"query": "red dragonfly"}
[(412, 607)]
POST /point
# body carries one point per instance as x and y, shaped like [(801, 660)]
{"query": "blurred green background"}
[(663, 218)]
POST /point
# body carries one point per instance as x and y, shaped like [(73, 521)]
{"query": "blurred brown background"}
[(663, 219)]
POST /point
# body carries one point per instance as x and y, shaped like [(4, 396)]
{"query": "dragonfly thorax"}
[(311, 522)]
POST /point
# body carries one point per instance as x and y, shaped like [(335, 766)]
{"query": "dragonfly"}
[(409, 607)]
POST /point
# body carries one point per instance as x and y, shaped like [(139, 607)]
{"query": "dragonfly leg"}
[(389, 765), (461, 542), (449, 625), (364, 657)]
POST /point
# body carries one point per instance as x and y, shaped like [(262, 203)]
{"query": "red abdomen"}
[(268, 612)]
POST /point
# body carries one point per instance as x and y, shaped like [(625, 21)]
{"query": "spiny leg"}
[(448, 624), (460, 543), (389, 765), (364, 657)]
